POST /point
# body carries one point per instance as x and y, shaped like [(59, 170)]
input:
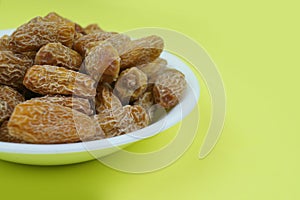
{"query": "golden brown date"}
[(11, 96), (79, 104), (13, 68), (106, 101), (169, 87), (92, 28), (5, 111), (38, 32), (80, 44), (48, 123), (128, 119), (5, 136), (52, 16), (119, 41), (103, 60), (4, 43), (46, 79), (152, 68), (9, 99), (131, 84), (142, 51), (57, 54)]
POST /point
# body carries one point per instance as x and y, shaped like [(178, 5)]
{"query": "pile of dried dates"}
[(62, 83)]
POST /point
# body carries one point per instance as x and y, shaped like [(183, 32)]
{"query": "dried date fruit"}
[(58, 55), (13, 68), (79, 104), (9, 57), (135, 118), (131, 84), (46, 79), (152, 68), (9, 99), (118, 41), (38, 32), (108, 122), (52, 16), (126, 120), (80, 44), (5, 136), (11, 96), (77, 36), (169, 87), (102, 60), (30, 54), (142, 51), (48, 123), (5, 111), (147, 102), (4, 43), (106, 101), (129, 119), (92, 28)]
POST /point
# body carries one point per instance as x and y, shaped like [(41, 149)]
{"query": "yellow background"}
[(256, 46)]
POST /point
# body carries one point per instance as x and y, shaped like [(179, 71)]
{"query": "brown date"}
[(38, 32), (58, 55), (13, 68), (169, 87), (5, 136), (47, 79), (79, 104), (48, 123), (131, 84), (142, 51), (80, 44), (103, 60)]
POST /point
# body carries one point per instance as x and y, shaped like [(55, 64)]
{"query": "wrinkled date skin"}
[(12, 74), (46, 79), (5, 136), (142, 51), (169, 87), (92, 28), (152, 69), (103, 60), (9, 99), (38, 32), (11, 96), (79, 104), (128, 119), (80, 45), (147, 102), (48, 123), (13, 68), (4, 43), (5, 111), (106, 101), (119, 41), (131, 84), (57, 54), (52, 16)]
